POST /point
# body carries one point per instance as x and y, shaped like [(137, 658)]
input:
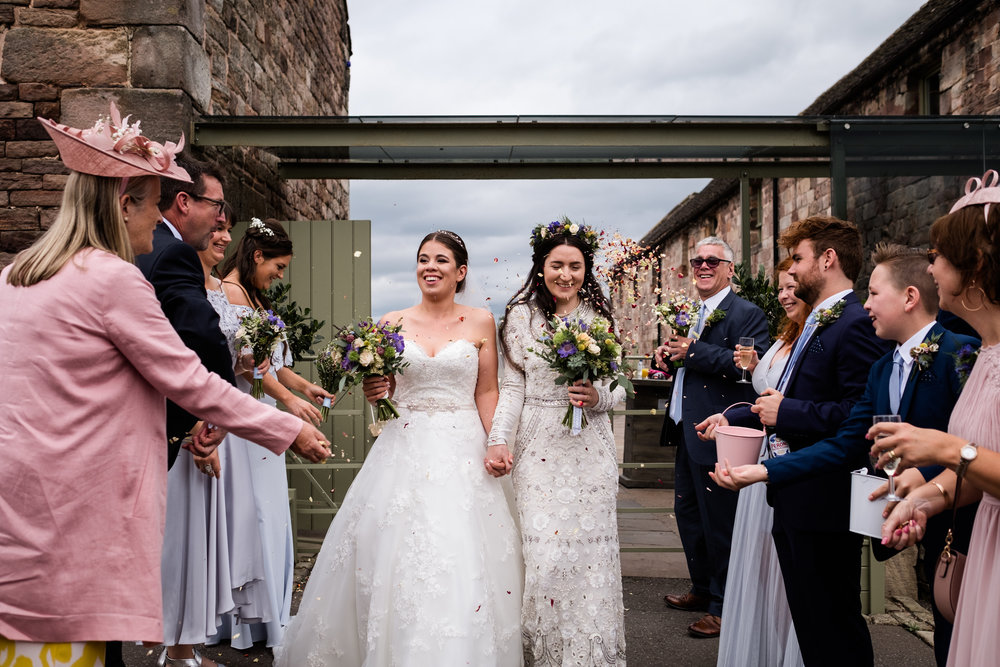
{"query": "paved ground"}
[(656, 635)]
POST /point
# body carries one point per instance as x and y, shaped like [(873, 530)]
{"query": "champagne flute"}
[(746, 356), (892, 465)]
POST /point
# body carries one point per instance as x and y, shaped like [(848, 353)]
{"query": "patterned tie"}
[(896, 382), (676, 396), (800, 346)]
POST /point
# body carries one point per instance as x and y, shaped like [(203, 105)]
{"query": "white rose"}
[(594, 349), (573, 229), (542, 232), (366, 357)]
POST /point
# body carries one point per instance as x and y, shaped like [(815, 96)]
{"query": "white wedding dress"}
[(422, 564)]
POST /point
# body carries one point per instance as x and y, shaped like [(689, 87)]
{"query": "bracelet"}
[(943, 491)]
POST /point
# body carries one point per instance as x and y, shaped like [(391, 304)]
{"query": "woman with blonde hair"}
[(86, 357)]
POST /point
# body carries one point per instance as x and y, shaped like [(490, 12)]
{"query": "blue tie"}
[(676, 395), (896, 382), (800, 346)]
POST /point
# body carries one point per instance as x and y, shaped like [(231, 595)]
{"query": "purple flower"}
[(683, 319), (346, 363), (614, 366), (566, 350)]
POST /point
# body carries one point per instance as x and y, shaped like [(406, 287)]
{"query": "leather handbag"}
[(949, 570)]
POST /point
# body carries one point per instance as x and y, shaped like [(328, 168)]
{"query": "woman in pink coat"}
[(86, 358)]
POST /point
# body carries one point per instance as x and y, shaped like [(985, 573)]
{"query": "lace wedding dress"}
[(422, 564), (566, 489)]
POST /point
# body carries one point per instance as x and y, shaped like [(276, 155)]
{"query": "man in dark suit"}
[(825, 376), (706, 384), (921, 389), (191, 212)]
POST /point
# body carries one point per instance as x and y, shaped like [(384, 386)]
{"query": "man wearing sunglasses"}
[(707, 384)]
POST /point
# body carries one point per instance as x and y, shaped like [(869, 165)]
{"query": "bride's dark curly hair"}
[(535, 294)]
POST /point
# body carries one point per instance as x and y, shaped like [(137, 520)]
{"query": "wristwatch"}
[(968, 453)]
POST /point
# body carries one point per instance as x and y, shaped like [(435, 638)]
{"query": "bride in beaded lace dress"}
[(422, 564), (566, 486)]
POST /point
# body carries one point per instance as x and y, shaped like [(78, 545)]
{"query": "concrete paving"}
[(656, 635)]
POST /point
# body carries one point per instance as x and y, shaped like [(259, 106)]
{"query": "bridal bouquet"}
[(577, 350), (360, 350), (261, 331), (680, 313)]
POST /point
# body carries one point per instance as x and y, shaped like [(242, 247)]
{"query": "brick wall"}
[(899, 209), (167, 62)]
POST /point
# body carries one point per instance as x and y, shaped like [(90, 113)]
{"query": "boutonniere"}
[(923, 354), (828, 316), (714, 317), (965, 359)]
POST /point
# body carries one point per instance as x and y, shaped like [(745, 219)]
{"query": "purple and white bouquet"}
[(363, 349), (261, 331), (577, 350), (679, 312)]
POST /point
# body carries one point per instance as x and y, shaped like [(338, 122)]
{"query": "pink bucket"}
[(739, 444)]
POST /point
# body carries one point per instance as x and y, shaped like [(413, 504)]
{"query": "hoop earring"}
[(982, 299)]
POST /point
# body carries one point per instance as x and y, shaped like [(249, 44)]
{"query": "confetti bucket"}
[(866, 515), (739, 444)]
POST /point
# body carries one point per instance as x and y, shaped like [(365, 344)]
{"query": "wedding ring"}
[(207, 468), (892, 453)]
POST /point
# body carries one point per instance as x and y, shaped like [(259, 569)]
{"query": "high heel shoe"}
[(166, 661)]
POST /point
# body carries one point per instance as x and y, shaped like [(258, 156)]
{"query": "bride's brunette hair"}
[(270, 238), (455, 244), (535, 294)]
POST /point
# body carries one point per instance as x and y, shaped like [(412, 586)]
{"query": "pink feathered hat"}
[(114, 148)]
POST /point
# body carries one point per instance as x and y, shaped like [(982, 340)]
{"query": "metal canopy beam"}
[(552, 147)]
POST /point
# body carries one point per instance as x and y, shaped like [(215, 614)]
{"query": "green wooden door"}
[(331, 274)]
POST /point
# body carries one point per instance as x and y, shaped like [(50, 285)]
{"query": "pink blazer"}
[(86, 359)]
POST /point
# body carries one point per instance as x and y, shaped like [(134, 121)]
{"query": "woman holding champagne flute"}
[(758, 626), (965, 264)]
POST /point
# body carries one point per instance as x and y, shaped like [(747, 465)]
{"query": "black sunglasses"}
[(932, 255), (697, 262), (220, 204)]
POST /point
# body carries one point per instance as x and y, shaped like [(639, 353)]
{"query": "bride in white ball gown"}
[(422, 563)]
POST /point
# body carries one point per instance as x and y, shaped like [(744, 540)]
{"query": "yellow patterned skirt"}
[(50, 654)]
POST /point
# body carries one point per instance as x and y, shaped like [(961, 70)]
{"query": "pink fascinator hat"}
[(980, 191), (116, 149)]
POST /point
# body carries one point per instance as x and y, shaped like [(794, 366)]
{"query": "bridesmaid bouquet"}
[(680, 313), (261, 331), (577, 350), (360, 350)]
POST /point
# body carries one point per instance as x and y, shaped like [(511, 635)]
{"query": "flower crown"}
[(566, 226), (257, 225)]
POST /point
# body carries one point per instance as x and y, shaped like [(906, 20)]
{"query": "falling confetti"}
[(357, 253)]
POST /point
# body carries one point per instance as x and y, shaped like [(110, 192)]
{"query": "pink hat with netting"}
[(115, 148)]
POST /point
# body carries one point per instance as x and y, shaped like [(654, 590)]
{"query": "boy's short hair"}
[(908, 267)]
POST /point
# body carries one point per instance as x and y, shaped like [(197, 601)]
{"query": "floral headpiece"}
[(980, 191), (257, 225), (566, 226), (115, 148)]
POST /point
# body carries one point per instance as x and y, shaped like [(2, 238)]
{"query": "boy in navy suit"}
[(917, 381), (823, 379)]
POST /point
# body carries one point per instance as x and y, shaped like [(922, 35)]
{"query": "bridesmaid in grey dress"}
[(758, 626), (195, 564)]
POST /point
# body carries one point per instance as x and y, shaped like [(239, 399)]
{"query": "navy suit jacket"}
[(710, 375), (926, 402), (828, 380), (176, 274)]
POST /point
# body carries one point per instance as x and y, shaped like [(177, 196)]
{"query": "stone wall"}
[(167, 62), (901, 209)]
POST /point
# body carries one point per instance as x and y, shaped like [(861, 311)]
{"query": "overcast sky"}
[(579, 57)]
